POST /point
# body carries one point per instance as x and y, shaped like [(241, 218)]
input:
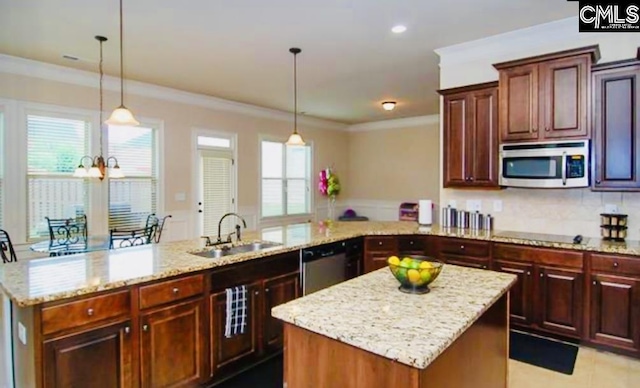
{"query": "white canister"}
[(425, 212)]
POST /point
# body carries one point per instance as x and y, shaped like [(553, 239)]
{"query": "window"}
[(54, 147), (285, 174), (135, 196)]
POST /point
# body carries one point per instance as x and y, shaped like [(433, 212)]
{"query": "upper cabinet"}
[(471, 136), (616, 126), (546, 97)]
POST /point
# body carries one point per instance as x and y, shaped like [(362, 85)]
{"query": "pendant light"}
[(98, 163), (295, 139), (121, 115)]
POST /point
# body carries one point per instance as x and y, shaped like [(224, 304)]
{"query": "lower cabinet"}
[(277, 291), (560, 305), (521, 294), (99, 358), (463, 252), (171, 351), (377, 249)]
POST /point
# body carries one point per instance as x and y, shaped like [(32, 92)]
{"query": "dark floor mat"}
[(265, 375), (543, 352)]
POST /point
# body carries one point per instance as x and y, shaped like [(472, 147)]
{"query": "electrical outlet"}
[(22, 333), (610, 208), (453, 203), (497, 206), (474, 205)]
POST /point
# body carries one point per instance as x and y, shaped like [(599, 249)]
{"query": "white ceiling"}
[(239, 49)]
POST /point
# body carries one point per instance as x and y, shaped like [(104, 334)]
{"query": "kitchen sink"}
[(218, 252)]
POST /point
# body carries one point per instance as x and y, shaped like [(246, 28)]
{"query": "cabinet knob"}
[(541, 275), (266, 290), (379, 242), (127, 330), (175, 290), (547, 129), (461, 246), (90, 312), (411, 242), (594, 283), (534, 129), (470, 179), (256, 293), (615, 264), (145, 327), (528, 273), (484, 267)]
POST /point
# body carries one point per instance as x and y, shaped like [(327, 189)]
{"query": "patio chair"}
[(130, 237), (6, 248), (158, 223), (66, 231)]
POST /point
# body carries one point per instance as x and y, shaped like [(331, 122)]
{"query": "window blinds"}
[(286, 173), (216, 191)]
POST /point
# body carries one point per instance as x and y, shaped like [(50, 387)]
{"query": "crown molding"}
[(528, 39), (395, 123), (30, 68)]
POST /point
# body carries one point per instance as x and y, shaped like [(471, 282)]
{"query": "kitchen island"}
[(366, 333)]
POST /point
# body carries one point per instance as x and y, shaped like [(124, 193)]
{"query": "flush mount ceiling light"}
[(388, 105), (121, 115), (295, 139), (98, 163), (399, 29)]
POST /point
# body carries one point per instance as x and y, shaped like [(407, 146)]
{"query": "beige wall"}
[(568, 211), (398, 164), (330, 146)]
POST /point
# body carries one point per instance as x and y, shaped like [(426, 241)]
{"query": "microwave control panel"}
[(575, 166)]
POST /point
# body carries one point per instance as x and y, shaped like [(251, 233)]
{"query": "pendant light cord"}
[(121, 61), (295, 93), (101, 79)]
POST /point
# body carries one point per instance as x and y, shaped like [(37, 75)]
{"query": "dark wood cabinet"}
[(415, 245), (470, 143), (377, 250), (521, 294), (616, 123), (560, 305), (239, 350), (277, 291), (549, 292), (101, 358), (171, 351), (614, 317), (355, 257), (546, 97), (463, 252)]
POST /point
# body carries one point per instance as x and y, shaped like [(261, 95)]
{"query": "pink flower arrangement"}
[(328, 184)]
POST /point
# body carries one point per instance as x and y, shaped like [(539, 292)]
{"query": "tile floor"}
[(594, 369)]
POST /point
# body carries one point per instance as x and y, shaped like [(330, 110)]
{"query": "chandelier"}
[(295, 139), (99, 164)]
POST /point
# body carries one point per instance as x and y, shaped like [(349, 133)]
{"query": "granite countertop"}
[(370, 313), (31, 282)]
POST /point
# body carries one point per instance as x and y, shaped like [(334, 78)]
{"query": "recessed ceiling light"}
[(399, 29), (388, 105)]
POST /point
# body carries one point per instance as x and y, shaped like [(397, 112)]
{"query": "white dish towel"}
[(236, 321)]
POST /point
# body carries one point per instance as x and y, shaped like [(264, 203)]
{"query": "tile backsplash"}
[(557, 211)]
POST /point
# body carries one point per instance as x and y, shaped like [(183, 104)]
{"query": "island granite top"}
[(32, 282), (370, 313)]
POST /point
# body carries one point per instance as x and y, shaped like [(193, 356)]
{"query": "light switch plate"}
[(497, 206), (611, 208), (22, 333), (474, 205)]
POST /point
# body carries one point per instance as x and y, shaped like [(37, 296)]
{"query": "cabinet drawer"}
[(85, 311), (538, 255), (381, 243), (412, 244), (615, 264), (169, 291), (463, 247)]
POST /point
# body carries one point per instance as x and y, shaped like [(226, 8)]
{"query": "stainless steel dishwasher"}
[(323, 266)]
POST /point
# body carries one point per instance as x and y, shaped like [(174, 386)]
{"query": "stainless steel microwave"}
[(560, 164)]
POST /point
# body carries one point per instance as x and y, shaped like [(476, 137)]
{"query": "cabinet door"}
[(376, 260), (519, 107), (455, 141), (521, 294), (559, 304), (615, 311), (96, 358), (232, 353), (563, 93), (616, 136), (277, 291), (482, 137), (171, 346)]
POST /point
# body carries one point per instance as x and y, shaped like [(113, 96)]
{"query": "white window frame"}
[(266, 221), (195, 168)]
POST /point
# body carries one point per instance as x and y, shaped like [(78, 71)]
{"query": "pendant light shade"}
[(121, 115), (295, 139)]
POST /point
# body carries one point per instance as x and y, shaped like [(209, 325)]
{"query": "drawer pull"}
[(379, 242), (175, 290), (127, 330), (145, 327), (411, 242), (528, 273), (256, 293), (615, 264), (90, 312), (461, 246)]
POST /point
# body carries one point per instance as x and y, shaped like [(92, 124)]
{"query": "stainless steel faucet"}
[(237, 232)]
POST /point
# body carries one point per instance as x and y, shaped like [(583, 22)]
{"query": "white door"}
[(216, 182)]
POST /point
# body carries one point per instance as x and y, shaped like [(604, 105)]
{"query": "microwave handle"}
[(564, 168)]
